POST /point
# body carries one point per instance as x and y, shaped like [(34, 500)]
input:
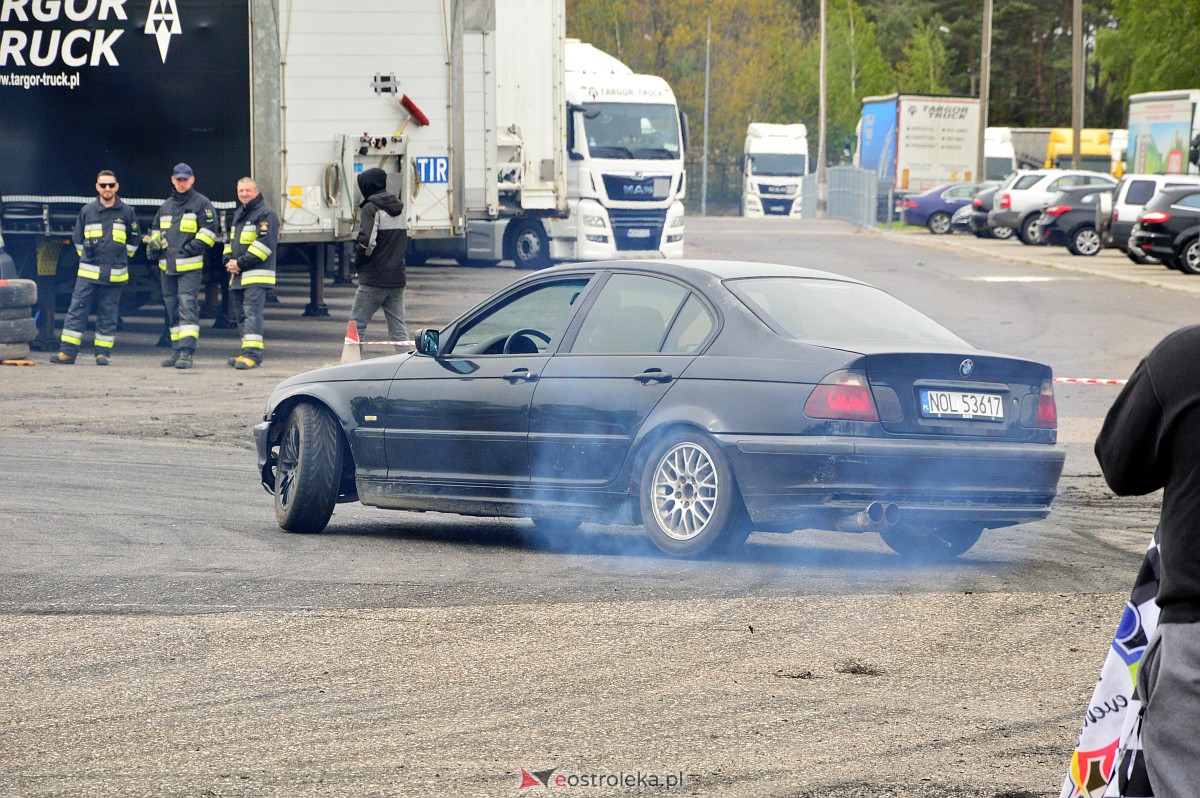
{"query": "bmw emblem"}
[(966, 367)]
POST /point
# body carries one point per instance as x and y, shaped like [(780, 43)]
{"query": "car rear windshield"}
[(808, 309), (1025, 181)]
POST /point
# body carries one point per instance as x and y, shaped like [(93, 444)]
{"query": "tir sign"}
[(433, 170)]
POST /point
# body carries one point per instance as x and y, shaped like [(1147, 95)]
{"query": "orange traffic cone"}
[(352, 348)]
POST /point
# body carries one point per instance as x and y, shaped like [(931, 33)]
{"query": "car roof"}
[(712, 269)]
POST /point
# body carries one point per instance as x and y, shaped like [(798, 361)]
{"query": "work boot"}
[(185, 359), (171, 361), (242, 362), (101, 359), (62, 359)]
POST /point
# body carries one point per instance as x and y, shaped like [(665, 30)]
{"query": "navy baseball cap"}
[(183, 171)]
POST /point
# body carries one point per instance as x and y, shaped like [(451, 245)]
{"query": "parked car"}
[(960, 222), (1169, 226), (1019, 206), (933, 208), (981, 205), (1070, 220), (700, 399), (1130, 196)]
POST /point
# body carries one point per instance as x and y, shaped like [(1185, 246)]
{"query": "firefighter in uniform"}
[(106, 237), (185, 228), (250, 259)]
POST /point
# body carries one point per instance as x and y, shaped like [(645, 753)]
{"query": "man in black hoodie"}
[(1150, 441), (379, 256)]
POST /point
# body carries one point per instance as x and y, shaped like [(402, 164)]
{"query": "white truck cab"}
[(774, 160)]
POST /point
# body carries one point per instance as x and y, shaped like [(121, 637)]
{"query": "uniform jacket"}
[(188, 223), (382, 236), (253, 238), (1151, 440), (105, 239)]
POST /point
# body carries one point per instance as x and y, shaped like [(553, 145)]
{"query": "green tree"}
[(1150, 46), (923, 69)]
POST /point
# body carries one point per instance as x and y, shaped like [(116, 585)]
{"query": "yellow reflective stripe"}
[(104, 341), (207, 236), (258, 277), (259, 251), (228, 250), (131, 249), (189, 331), (119, 275), (247, 236), (165, 222), (252, 342), (72, 337), (119, 235), (79, 250), (189, 223), (93, 231), (188, 266), (89, 271)]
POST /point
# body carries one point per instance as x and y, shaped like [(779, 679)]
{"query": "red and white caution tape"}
[(1089, 381), (356, 342)]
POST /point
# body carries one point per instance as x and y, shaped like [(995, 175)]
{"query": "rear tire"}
[(689, 502), (1084, 241), (1189, 257), (1141, 259), (1028, 231), (530, 246), (1002, 233), (938, 223), (930, 544), (309, 468)]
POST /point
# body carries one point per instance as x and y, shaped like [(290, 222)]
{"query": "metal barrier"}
[(853, 195)]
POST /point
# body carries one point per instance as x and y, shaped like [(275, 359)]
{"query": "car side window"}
[(1140, 192), (1025, 181), (691, 328), (1190, 201), (961, 192), (629, 316), (523, 323)]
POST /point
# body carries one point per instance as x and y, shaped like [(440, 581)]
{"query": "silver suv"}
[(1020, 204), (1131, 194)]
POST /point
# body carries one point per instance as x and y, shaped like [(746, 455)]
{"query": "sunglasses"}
[(107, 185)]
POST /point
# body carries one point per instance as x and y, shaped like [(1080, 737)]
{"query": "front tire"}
[(930, 544), (938, 224), (1084, 241), (690, 504), (309, 470), (1002, 233)]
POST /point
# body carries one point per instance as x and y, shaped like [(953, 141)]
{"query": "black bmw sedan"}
[(703, 400)]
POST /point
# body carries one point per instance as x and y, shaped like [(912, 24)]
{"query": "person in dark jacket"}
[(1151, 441), (106, 237), (250, 259), (185, 228), (379, 256)]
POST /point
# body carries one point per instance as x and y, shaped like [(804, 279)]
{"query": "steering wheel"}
[(511, 341)]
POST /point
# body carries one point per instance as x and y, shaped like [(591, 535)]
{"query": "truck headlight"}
[(590, 220)]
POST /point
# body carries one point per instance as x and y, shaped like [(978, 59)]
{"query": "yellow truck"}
[(1053, 148)]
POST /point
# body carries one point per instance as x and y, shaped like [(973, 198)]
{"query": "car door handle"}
[(653, 375), (521, 375)]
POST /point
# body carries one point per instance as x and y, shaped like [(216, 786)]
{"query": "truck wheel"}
[(1084, 241), (17, 293), (309, 470), (18, 331), (689, 502), (1028, 231), (930, 544), (1189, 257), (529, 245), (938, 224)]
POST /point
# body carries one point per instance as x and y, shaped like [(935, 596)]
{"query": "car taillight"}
[(1057, 210), (1155, 217), (1047, 411), (977, 202), (909, 204), (1005, 201), (842, 395), (1115, 216)]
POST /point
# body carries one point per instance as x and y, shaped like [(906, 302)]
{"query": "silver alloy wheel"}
[(685, 491), (938, 224), (1087, 241), (1002, 233), (1191, 257)]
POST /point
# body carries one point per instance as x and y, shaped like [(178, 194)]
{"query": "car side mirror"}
[(427, 342)]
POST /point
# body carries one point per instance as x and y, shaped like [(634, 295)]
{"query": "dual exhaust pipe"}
[(874, 517)]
